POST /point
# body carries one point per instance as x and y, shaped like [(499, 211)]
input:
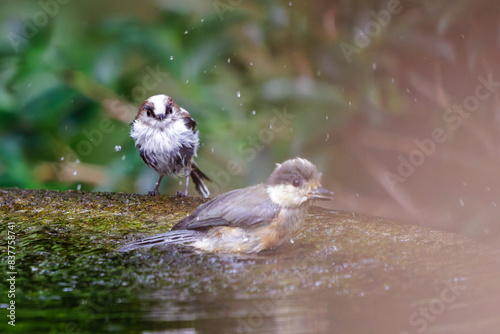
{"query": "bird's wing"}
[(238, 208), (190, 123), (188, 120)]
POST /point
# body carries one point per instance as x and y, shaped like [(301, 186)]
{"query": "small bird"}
[(251, 219), (167, 139)]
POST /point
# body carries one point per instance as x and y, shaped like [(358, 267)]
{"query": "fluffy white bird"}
[(167, 140)]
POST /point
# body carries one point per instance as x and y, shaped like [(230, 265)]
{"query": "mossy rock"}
[(343, 272)]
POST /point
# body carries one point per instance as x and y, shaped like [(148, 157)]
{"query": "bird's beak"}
[(161, 117), (320, 193)]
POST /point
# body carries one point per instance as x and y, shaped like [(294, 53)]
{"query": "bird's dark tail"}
[(197, 176), (168, 238)]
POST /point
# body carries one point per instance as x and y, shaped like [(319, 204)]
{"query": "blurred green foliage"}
[(67, 67), (229, 65)]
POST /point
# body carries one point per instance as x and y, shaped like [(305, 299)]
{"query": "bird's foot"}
[(181, 194), (154, 192)]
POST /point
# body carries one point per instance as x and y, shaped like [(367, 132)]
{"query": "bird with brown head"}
[(251, 219)]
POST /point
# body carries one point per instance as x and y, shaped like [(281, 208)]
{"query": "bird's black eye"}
[(297, 182), (168, 108), (149, 112)]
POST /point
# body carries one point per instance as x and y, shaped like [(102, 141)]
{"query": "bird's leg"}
[(187, 184), (185, 193), (155, 191)]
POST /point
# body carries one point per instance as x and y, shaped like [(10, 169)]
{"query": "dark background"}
[(364, 89)]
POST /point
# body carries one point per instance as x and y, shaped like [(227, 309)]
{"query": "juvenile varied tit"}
[(167, 140), (251, 219)]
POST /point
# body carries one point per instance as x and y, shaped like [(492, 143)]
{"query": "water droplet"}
[(78, 187), (123, 157), (212, 150), (251, 64), (350, 103), (171, 57), (202, 20), (77, 161), (75, 172), (461, 201), (407, 90), (238, 94), (253, 112), (327, 136), (228, 60), (290, 4), (186, 32), (392, 80), (118, 148), (187, 81), (374, 66), (326, 117), (62, 158)]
